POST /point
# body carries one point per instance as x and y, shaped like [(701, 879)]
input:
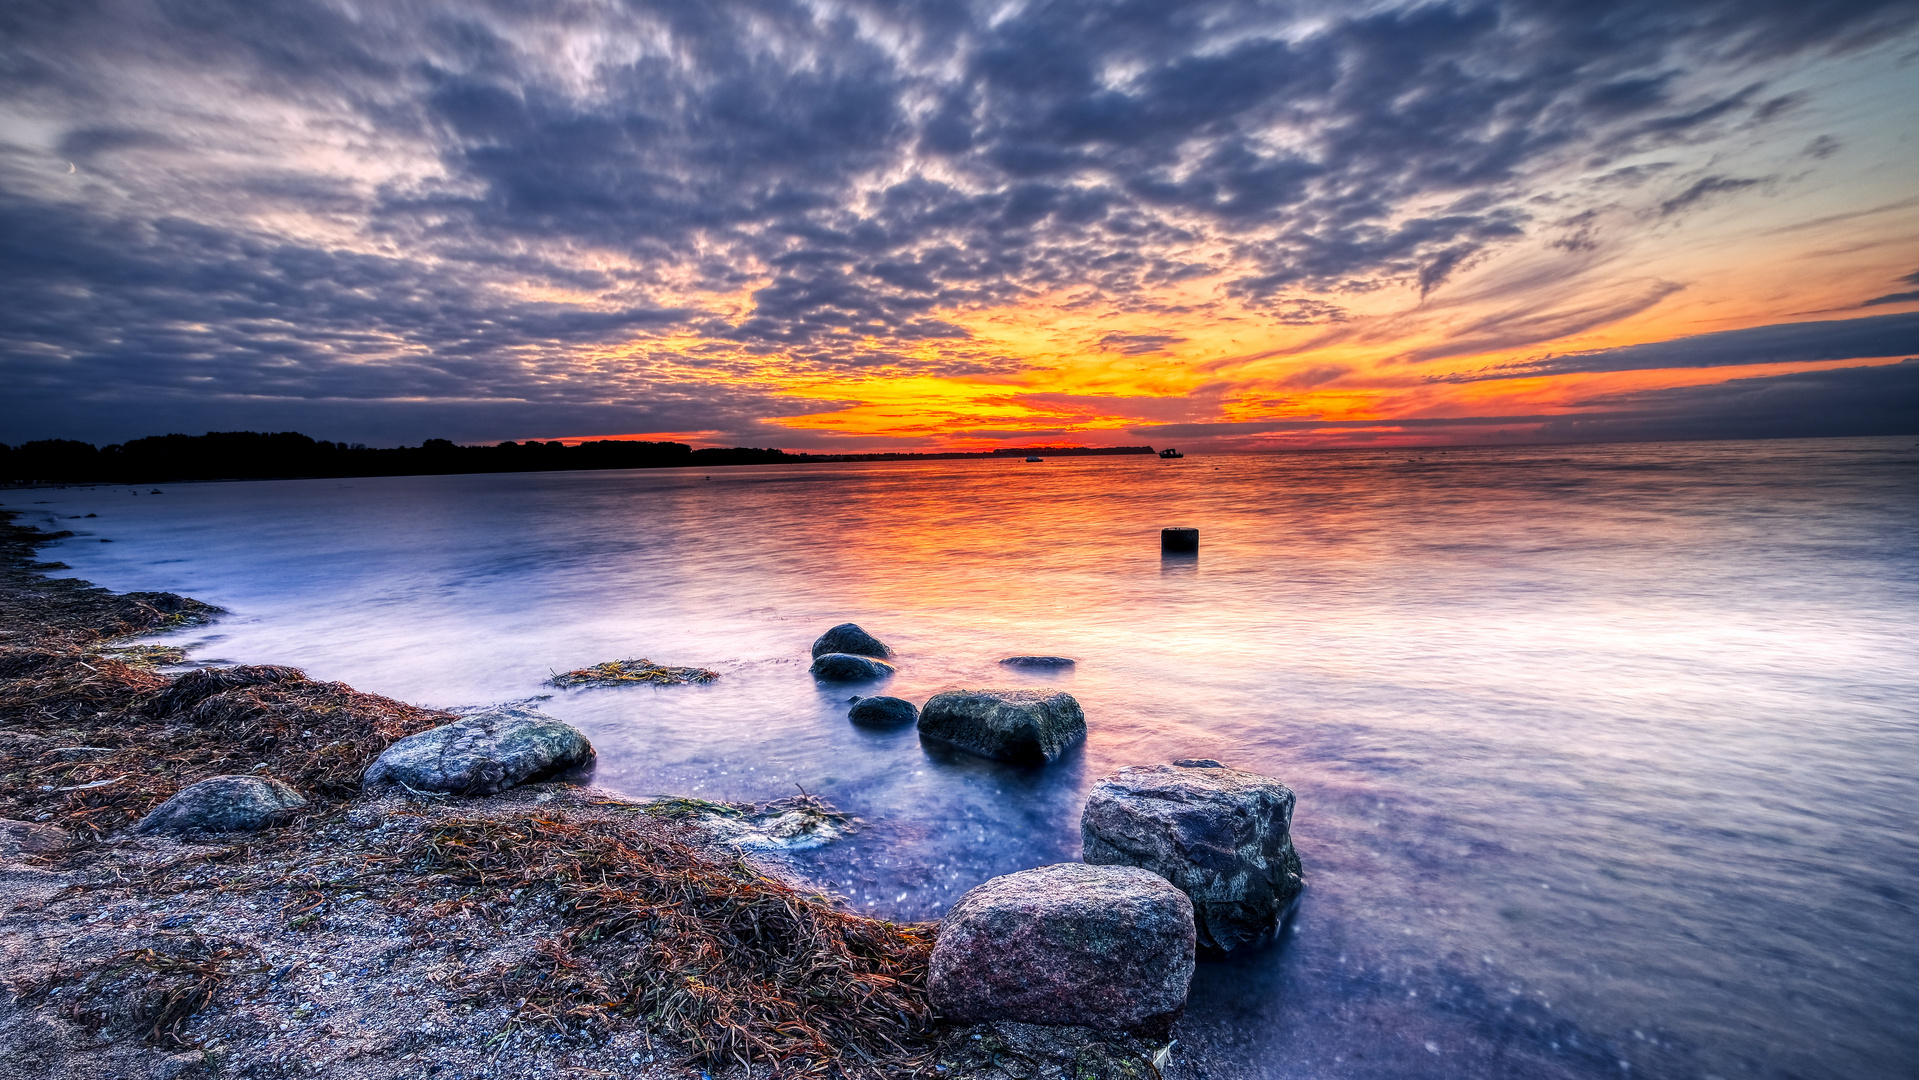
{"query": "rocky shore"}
[(546, 929)]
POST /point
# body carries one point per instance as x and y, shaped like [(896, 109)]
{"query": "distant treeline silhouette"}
[(252, 455)]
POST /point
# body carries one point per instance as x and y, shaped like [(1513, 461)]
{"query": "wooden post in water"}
[(1181, 540)]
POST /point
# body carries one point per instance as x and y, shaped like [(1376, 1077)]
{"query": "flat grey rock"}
[(883, 712), (1039, 663), (1105, 947), (849, 638), (31, 837), (1221, 836), (483, 753), (846, 667), (1025, 727), (223, 804)]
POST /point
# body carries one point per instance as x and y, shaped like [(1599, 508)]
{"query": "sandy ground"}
[(347, 987)]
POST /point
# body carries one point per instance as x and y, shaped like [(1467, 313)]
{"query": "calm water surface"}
[(1605, 755)]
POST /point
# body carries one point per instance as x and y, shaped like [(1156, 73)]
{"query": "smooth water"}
[(1605, 755)]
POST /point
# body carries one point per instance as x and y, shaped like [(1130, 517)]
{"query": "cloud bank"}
[(382, 221)]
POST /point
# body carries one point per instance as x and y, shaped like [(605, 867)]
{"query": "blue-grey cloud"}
[(1836, 402), (1781, 343), (288, 201), (1858, 401), (1899, 297)]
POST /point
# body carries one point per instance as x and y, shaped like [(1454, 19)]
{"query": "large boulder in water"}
[(849, 638), (1106, 947), (846, 667), (1222, 836), (1026, 727), (224, 804), (483, 753), (883, 712)]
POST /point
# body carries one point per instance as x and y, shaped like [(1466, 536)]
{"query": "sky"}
[(847, 227)]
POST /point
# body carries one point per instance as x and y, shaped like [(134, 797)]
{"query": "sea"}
[(1607, 757)]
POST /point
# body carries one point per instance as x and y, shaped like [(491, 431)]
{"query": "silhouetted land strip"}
[(249, 455)]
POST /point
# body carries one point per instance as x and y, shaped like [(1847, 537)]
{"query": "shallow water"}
[(1605, 755)]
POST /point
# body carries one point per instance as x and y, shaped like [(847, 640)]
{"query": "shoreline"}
[(549, 930)]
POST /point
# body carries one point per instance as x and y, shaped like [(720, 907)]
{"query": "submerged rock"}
[(623, 672), (1222, 836), (849, 638), (1005, 1049), (483, 753), (1106, 947), (883, 712), (224, 804), (1039, 663), (1026, 727), (796, 823), (846, 667)]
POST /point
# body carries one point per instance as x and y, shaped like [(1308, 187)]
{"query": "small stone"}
[(1106, 947), (1039, 663), (174, 1066), (1222, 836), (846, 667), (483, 753), (883, 712), (1025, 727), (365, 817), (849, 638), (224, 804)]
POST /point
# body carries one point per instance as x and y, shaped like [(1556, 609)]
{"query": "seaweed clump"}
[(151, 990), (620, 672), (733, 964), (97, 743)]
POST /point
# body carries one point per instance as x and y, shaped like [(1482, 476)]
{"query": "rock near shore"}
[(483, 753), (1222, 836), (883, 712), (849, 638), (224, 804), (1106, 947), (1025, 727), (846, 667)]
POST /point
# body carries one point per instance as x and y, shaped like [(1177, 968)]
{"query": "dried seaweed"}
[(620, 672), (151, 990), (735, 965), (317, 736)]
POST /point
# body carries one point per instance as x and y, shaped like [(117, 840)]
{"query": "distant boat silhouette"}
[(1169, 452), (1035, 459)]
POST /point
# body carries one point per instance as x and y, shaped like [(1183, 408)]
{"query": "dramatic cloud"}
[(579, 217), (1786, 343)]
